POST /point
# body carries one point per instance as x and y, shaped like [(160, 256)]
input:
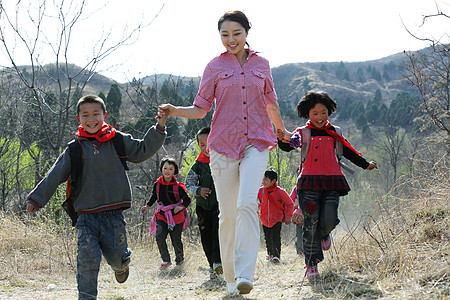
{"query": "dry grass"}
[(400, 250)]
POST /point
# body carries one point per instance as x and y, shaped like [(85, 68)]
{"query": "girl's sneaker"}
[(326, 243), (165, 265), (312, 272)]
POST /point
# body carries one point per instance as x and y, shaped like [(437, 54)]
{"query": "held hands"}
[(165, 110), (298, 218), (284, 135), (372, 165), (205, 192), (162, 116)]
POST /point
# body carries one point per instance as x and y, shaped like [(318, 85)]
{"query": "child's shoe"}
[(122, 276), (269, 257), (326, 243), (165, 265), (217, 267), (275, 260), (312, 272), (212, 276)]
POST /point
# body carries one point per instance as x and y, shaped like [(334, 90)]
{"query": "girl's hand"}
[(372, 165), (298, 218), (143, 209), (284, 135), (178, 208)]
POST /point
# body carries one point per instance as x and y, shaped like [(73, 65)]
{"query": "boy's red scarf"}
[(203, 158), (105, 133), (327, 129), (268, 194)]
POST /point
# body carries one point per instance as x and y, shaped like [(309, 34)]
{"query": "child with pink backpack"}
[(170, 218)]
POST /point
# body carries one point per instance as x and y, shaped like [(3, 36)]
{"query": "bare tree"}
[(429, 71)]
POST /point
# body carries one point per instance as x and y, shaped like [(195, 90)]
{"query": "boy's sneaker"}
[(122, 276), (212, 276), (165, 265), (217, 267), (275, 260), (326, 243), (312, 272), (243, 285), (269, 257)]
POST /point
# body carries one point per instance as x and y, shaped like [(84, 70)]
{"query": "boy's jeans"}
[(320, 209), (100, 233), (237, 182)]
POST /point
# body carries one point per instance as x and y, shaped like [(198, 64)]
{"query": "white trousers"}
[(237, 182)]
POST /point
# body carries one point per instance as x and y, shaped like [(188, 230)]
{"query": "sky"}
[(180, 36)]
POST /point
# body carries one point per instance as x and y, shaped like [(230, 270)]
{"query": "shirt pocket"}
[(226, 79), (258, 78)]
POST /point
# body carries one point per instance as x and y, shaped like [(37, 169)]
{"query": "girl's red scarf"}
[(105, 133), (203, 158), (327, 129), (172, 182)]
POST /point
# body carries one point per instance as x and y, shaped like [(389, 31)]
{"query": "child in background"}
[(275, 208), (298, 227), (321, 180), (170, 218), (102, 191), (199, 182)]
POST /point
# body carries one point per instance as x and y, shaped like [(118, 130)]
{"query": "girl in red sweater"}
[(321, 181)]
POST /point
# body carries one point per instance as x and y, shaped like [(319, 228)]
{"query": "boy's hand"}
[(205, 192), (178, 208), (143, 209), (31, 208), (162, 117), (372, 165)]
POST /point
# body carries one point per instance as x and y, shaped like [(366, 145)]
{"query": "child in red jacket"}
[(275, 208)]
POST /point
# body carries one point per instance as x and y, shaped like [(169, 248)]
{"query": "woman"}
[(240, 83)]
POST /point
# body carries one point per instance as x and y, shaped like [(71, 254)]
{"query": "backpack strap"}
[(338, 146), (306, 137), (75, 160), (120, 149)]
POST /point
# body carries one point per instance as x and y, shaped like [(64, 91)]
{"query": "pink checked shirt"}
[(241, 95)]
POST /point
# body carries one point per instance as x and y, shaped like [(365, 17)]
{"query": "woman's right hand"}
[(284, 135), (163, 109)]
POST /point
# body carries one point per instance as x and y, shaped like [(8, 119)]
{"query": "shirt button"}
[(245, 133), (226, 75), (316, 147), (315, 159), (245, 102), (245, 118), (242, 73), (243, 87)]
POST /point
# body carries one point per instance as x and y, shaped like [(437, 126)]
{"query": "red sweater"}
[(270, 212)]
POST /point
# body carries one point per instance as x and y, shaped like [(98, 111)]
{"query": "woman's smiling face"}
[(233, 37)]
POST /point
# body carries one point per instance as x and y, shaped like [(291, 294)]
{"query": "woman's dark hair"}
[(170, 161), (310, 99), (235, 16), (271, 174)]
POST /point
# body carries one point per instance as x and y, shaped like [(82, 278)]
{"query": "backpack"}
[(338, 147), (76, 167)]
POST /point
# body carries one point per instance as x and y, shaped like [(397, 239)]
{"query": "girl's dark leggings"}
[(320, 210)]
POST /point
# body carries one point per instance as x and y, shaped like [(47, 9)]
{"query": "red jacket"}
[(275, 205)]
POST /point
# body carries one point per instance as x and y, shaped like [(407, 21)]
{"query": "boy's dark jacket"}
[(198, 177), (103, 183)]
